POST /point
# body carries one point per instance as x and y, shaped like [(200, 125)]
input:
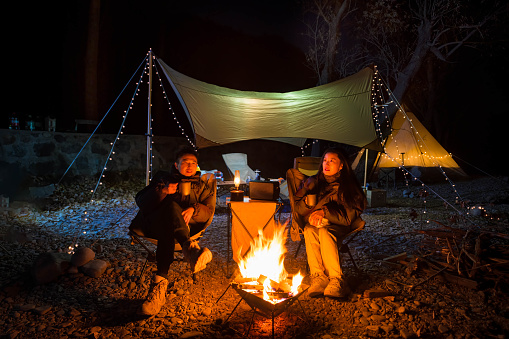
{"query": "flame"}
[(296, 281), (236, 180), (266, 260), (266, 289), (265, 257)]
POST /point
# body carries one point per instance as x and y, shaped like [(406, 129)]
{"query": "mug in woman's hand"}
[(311, 200)]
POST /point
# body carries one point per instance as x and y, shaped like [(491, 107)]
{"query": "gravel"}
[(76, 305)]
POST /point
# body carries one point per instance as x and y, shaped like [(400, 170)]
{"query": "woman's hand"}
[(309, 184), (315, 218), (187, 214)]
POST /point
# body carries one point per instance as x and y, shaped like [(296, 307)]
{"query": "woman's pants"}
[(322, 250)]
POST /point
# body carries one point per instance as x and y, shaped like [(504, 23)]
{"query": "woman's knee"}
[(325, 233), (310, 231)]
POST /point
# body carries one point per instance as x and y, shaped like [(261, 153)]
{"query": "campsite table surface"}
[(225, 186)]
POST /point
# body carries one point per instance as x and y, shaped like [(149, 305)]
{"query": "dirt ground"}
[(430, 290)]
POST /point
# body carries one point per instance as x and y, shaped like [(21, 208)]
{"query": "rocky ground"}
[(398, 299)]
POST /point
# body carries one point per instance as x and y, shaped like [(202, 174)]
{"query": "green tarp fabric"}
[(339, 111)]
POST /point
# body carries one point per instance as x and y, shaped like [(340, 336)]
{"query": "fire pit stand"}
[(264, 307)]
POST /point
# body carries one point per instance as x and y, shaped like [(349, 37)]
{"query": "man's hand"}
[(170, 189), (315, 218), (187, 214)]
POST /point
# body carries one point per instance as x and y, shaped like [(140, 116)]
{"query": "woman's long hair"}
[(350, 191)]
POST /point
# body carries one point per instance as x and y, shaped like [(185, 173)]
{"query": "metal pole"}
[(366, 169), (149, 119)]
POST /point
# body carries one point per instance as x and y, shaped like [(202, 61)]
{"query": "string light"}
[(183, 132), (145, 72), (303, 147), (383, 102)]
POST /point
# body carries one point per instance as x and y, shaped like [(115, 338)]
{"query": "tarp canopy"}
[(339, 111), (412, 145)]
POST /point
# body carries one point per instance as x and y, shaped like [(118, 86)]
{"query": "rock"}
[(401, 310), (364, 321), (95, 329), (42, 310), (72, 270), (378, 318), (15, 235), (376, 293), (207, 311), (442, 328), (82, 256), (387, 328), (406, 334), (42, 191), (95, 268), (373, 330), (49, 266), (27, 307)]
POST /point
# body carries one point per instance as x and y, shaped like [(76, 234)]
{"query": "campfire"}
[(263, 282), (262, 270)]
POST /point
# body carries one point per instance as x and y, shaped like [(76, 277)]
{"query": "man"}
[(168, 215)]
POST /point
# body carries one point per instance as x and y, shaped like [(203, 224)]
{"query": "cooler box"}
[(376, 197)]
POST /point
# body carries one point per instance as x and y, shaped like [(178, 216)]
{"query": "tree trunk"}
[(91, 62), (327, 73), (422, 48)]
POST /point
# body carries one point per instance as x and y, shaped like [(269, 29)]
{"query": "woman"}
[(331, 202)]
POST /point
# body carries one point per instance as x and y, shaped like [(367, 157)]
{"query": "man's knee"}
[(170, 206)]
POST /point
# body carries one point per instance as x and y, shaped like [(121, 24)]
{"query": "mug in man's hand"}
[(185, 188)]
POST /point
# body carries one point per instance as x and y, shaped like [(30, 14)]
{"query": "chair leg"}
[(346, 249), (150, 254), (143, 269), (298, 249)]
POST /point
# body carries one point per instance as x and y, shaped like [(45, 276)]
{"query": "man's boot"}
[(156, 297), (197, 257)]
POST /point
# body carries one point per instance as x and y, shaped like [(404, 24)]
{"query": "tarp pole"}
[(149, 119), (366, 168)]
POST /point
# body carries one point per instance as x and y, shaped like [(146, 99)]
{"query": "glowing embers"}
[(278, 301)]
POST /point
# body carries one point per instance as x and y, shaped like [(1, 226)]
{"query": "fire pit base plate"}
[(265, 307)]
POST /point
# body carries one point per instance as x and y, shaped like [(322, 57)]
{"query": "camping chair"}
[(294, 178), (138, 237), (307, 165), (238, 161)]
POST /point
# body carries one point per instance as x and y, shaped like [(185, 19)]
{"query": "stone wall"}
[(28, 154)]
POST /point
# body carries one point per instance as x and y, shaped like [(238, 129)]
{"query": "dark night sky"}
[(246, 45), (242, 45)]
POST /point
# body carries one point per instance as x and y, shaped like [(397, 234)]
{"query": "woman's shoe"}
[(319, 282), (337, 288)]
